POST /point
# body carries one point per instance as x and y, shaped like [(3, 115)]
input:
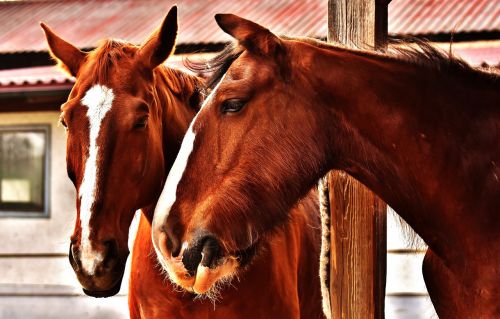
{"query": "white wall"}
[(406, 294), (43, 235), (32, 284)]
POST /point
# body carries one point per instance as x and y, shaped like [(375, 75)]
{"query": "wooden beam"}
[(357, 216), (358, 249), (358, 23)]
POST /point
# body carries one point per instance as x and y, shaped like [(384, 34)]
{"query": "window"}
[(24, 166)]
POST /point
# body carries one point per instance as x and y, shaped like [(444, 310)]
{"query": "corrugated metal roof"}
[(418, 17), (43, 75), (84, 23), (475, 53)]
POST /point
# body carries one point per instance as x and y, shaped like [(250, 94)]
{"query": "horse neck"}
[(402, 131), (173, 96)]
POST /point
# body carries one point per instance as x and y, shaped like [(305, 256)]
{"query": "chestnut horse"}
[(125, 118), (420, 128)]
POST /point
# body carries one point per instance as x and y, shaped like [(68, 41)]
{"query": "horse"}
[(418, 127), (125, 118)]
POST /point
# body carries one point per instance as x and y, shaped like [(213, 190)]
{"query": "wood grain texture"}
[(358, 241), (358, 217), (358, 23)]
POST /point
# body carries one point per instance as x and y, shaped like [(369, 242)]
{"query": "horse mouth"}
[(104, 293), (209, 280)]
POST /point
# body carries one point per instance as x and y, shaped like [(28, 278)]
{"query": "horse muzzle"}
[(106, 274), (198, 265)]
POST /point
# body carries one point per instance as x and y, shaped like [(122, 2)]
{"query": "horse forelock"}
[(217, 66), (108, 55)]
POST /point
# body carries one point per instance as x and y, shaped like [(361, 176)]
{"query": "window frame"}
[(45, 129)]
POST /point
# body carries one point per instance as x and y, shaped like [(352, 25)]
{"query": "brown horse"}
[(125, 119), (420, 128)]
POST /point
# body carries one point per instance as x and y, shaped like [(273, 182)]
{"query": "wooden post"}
[(358, 217)]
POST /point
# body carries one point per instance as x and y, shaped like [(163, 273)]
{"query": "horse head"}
[(116, 145), (216, 205)]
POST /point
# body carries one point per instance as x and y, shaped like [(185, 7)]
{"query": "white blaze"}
[(98, 100), (168, 194)]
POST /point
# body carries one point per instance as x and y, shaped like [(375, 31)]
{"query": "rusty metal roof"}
[(84, 23), (418, 17), (45, 76), (42, 75)]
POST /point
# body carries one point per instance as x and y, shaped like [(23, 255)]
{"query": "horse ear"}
[(67, 56), (160, 44), (251, 35)]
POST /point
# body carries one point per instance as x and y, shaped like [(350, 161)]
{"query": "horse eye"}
[(141, 123), (232, 105)]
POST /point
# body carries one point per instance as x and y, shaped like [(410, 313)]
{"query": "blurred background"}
[(37, 200)]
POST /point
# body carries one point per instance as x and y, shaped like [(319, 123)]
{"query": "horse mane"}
[(406, 49), (423, 53), (183, 85)]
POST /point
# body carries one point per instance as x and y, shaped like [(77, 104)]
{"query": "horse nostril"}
[(173, 243), (205, 250), (170, 246), (111, 254), (191, 259), (71, 255), (211, 252)]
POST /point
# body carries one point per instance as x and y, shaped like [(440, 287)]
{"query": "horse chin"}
[(103, 285), (104, 293)]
